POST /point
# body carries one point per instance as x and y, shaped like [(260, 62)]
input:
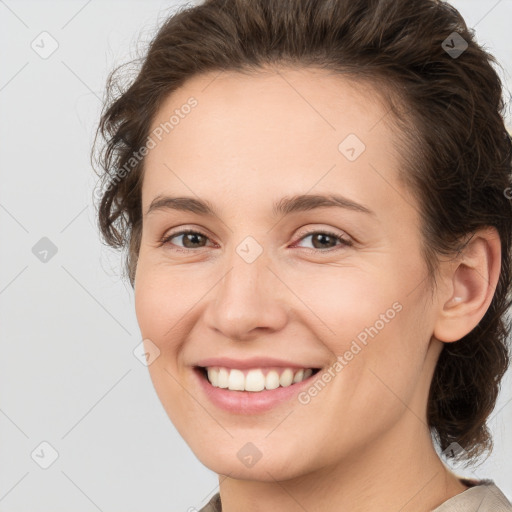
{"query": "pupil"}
[(322, 237), (191, 235)]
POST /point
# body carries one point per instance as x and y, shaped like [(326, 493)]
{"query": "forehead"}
[(281, 129), (309, 102)]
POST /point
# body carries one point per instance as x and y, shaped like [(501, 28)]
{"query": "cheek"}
[(385, 373), (159, 310), (373, 381), (163, 297), (339, 303), (377, 331), (151, 306)]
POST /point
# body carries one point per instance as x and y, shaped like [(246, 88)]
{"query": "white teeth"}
[(236, 380), (298, 376), (271, 380), (223, 378), (286, 377), (213, 376), (255, 380)]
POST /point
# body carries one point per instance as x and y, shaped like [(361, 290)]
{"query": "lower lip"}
[(249, 402)]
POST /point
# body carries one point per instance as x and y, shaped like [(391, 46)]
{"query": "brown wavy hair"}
[(448, 113)]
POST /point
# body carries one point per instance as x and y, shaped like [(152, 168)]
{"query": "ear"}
[(470, 285)]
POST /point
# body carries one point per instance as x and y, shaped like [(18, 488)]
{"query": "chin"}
[(258, 461)]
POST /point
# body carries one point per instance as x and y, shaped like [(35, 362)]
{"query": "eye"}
[(190, 239), (322, 240)]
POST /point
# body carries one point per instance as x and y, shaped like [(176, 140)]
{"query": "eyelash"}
[(344, 242)]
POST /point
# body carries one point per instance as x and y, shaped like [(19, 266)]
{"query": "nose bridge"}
[(245, 297), (244, 283)]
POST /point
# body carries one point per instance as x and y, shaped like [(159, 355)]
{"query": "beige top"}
[(482, 496)]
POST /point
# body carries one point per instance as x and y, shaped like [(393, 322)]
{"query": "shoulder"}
[(482, 496), (213, 505)]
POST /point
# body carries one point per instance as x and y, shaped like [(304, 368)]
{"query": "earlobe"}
[(471, 285)]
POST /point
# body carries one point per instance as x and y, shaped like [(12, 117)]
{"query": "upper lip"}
[(253, 362)]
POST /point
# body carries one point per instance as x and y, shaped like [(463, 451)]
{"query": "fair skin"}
[(362, 443)]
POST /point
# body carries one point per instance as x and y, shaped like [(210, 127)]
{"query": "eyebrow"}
[(285, 206)]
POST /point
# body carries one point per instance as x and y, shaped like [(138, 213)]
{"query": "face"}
[(256, 292)]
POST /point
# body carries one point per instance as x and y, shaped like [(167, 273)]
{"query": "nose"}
[(248, 301)]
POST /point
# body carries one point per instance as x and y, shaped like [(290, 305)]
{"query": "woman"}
[(315, 201)]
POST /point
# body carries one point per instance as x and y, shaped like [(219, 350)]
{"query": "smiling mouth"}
[(255, 379)]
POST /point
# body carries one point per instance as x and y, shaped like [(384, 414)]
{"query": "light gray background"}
[(68, 373)]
